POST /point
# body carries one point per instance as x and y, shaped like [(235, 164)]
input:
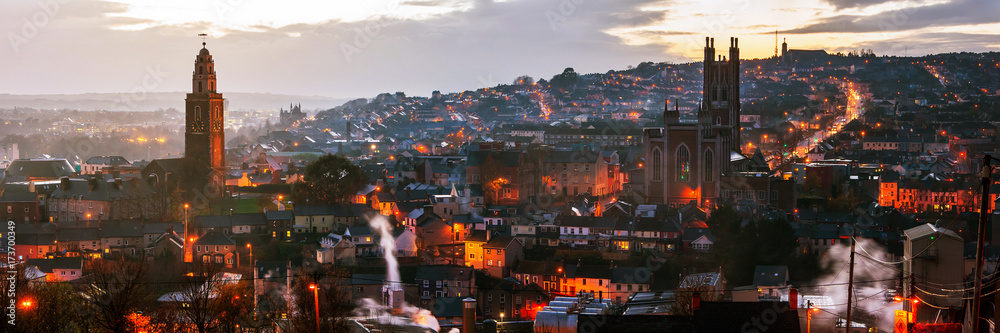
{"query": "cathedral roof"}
[(204, 51)]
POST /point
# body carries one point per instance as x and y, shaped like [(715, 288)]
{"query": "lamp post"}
[(315, 290), (809, 314), (184, 241), (250, 252), (914, 301)]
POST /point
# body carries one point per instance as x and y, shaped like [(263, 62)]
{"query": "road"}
[(853, 110)]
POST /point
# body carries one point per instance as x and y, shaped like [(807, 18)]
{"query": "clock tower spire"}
[(204, 135)]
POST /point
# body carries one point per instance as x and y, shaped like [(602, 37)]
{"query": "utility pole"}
[(850, 284), (984, 208)]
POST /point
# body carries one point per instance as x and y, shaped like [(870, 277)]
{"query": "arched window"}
[(708, 165), (197, 112), (657, 164), (201, 69), (200, 88), (683, 164), (211, 86)]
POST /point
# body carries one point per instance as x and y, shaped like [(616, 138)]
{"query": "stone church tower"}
[(204, 135), (687, 160)]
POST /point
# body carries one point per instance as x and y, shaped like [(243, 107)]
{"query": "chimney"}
[(695, 302), (793, 298), (64, 183), (468, 315)]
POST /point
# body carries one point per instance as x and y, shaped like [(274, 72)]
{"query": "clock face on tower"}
[(198, 125), (217, 125)]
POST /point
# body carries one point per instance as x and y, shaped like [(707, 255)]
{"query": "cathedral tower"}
[(204, 135)]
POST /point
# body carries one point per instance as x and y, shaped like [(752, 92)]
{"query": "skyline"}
[(345, 50)]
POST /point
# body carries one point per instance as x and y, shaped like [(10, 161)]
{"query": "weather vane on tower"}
[(203, 38)]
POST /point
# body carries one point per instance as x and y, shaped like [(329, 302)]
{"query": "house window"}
[(683, 164), (489, 298), (500, 263), (489, 262), (361, 289), (72, 273), (503, 298), (427, 293), (437, 284), (218, 259), (427, 283)]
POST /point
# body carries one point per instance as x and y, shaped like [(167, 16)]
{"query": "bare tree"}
[(212, 299), (115, 289)]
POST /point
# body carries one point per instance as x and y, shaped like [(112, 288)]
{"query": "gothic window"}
[(657, 164), (683, 164), (200, 88), (197, 112), (201, 69), (708, 165), (211, 86)]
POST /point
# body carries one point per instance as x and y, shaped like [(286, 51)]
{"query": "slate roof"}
[(499, 242), (279, 215), (770, 275), (214, 238), (22, 169), (47, 265), (102, 190), (443, 272), (928, 230), (108, 160), (692, 234)]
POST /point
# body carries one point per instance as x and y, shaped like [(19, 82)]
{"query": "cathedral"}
[(700, 161), (204, 134)]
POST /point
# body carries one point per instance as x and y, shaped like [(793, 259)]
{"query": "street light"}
[(809, 311), (250, 251), (184, 244), (315, 290)]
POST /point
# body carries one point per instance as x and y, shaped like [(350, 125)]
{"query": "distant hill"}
[(161, 100)]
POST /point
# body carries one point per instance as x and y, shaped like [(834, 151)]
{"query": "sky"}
[(359, 48)]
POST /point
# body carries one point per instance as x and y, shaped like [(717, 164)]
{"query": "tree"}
[(524, 80), (211, 299), (493, 179), (115, 290), (330, 179)]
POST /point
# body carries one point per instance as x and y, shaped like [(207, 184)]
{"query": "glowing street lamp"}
[(315, 290)]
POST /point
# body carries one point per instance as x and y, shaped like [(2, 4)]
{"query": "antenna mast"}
[(775, 43)]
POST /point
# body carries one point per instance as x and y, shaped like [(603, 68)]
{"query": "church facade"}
[(700, 161)]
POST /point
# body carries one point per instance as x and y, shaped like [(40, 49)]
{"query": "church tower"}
[(204, 135), (720, 109)]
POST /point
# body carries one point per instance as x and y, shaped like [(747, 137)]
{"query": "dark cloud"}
[(929, 43), (957, 12), (843, 4), (489, 44)]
